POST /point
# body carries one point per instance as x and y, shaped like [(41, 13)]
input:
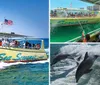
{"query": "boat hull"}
[(57, 22), (62, 30), (9, 55)]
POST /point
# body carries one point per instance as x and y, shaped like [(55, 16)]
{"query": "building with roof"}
[(94, 8), (92, 1)]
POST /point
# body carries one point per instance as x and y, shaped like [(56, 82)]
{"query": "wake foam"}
[(3, 65)]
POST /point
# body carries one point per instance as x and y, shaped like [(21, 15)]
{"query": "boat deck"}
[(23, 50)]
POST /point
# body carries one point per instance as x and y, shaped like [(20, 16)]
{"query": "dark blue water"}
[(38, 40), (46, 42)]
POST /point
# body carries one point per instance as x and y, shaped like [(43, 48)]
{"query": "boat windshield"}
[(19, 41)]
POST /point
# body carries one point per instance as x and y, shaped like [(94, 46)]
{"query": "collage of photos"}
[(49, 42)]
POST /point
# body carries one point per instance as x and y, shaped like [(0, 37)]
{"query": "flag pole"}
[(3, 24)]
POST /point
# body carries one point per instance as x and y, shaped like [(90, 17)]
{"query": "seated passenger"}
[(0, 43), (12, 44), (16, 43), (7, 43), (38, 46), (88, 37), (83, 37), (33, 46), (26, 44), (3, 43), (98, 37), (29, 44)]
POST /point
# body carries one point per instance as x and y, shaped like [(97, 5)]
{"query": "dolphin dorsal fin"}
[(86, 56)]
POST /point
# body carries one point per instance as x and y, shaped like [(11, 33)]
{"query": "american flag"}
[(8, 22)]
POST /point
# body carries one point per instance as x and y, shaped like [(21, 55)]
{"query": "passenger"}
[(38, 46), (98, 37), (83, 37), (0, 43), (88, 37), (12, 44), (24, 44), (29, 44), (3, 43), (7, 42), (33, 46), (16, 43)]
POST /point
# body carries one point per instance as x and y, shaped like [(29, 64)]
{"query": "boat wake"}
[(4, 65), (47, 51)]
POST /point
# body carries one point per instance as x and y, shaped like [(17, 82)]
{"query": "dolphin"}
[(79, 58), (60, 57), (85, 66)]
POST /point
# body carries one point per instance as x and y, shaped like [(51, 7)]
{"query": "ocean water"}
[(38, 40), (33, 73), (63, 72), (46, 42), (66, 33)]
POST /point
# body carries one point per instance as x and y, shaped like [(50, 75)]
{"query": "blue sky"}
[(66, 3), (30, 17)]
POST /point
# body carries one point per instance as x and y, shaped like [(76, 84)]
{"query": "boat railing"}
[(92, 33), (12, 45)]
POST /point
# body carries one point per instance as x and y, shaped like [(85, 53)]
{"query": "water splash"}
[(4, 65)]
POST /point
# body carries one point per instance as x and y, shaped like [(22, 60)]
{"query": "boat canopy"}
[(73, 10), (18, 37), (11, 35), (92, 1)]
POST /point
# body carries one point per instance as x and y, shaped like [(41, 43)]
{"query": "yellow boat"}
[(12, 54)]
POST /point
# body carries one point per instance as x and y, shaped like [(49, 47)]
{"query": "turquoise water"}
[(66, 33), (25, 74)]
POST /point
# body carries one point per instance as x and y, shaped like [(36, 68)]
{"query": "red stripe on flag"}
[(10, 22)]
